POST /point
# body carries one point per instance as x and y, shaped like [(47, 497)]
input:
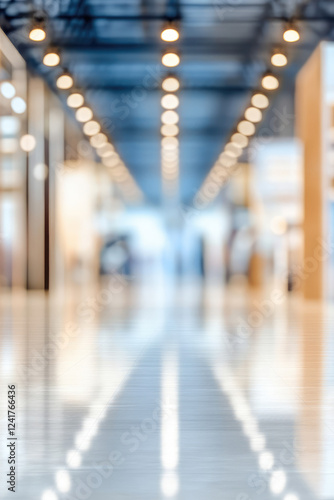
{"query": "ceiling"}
[(113, 49)]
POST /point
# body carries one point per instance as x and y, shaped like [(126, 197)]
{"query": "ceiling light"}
[(169, 117), (91, 128), (28, 143), (169, 130), (170, 166), (84, 114), (270, 81), (233, 149), (291, 34), (169, 149), (170, 143), (170, 60), (18, 105), (253, 115), (239, 139), (260, 101), (169, 35), (51, 59), (170, 84), (37, 31), (75, 100), (170, 155), (246, 128), (169, 101), (227, 160), (37, 34), (97, 140), (105, 150), (64, 81), (111, 161), (279, 59), (170, 163), (7, 90)]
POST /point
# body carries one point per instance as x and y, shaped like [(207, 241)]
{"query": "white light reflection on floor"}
[(73, 459), (112, 384), (291, 496), (63, 481), (49, 495), (243, 413), (169, 425)]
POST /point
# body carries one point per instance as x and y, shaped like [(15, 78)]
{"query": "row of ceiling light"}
[(170, 118), (169, 144), (246, 127), (91, 127)]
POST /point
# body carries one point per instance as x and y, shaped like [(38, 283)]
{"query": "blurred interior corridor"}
[(166, 250)]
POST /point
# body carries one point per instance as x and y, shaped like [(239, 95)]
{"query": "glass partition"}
[(13, 124)]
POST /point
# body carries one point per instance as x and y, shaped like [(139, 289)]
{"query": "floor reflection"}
[(129, 392)]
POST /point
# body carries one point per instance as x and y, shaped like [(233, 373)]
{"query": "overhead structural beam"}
[(189, 47), (173, 9), (162, 17), (193, 88)]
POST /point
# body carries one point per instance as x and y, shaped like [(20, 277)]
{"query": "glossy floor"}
[(182, 391)]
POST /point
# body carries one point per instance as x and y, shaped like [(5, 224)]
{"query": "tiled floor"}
[(186, 391)]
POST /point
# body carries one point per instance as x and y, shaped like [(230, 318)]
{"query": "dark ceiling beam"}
[(173, 10), (254, 48), (188, 48), (145, 8), (281, 4), (162, 17), (211, 133), (194, 88), (75, 8)]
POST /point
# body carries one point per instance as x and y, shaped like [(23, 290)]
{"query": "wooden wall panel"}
[(309, 127)]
